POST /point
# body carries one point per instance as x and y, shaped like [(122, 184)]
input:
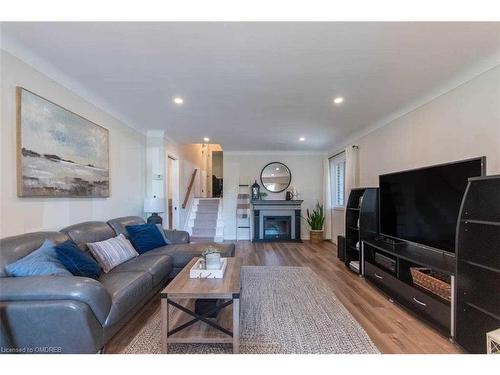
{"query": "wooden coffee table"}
[(186, 326)]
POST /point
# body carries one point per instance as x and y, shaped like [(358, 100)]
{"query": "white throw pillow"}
[(112, 252)]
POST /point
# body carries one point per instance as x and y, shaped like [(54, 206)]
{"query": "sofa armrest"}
[(62, 326), (177, 236), (53, 288)]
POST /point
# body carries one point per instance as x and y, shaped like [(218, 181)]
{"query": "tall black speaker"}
[(341, 248), (478, 264)]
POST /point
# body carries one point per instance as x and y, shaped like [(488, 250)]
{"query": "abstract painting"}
[(60, 154)]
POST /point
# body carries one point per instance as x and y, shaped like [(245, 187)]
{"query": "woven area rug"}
[(283, 310)]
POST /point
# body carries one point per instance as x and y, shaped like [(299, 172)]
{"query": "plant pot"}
[(316, 236), (212, 261)]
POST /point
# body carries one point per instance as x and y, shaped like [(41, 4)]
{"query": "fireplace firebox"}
[(277, 227)]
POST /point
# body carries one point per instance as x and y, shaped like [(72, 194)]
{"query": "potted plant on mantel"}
[(316, 220)]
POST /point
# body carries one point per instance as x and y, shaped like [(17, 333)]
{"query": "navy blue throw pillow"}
[(145, 237), (77, 261)]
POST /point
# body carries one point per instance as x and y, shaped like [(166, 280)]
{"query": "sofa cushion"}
[(41, 262), (113, 252), (145, 237), (76, 261), (162, 232), (127, 289), (16, 247), (183, 253), (158, 267), (120, 223), (54, 289), (89, 231), (177, 236)]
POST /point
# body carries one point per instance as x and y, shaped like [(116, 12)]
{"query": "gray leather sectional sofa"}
[(44, 314)]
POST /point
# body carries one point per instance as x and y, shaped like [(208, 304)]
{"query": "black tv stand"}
[(390, 272), (420, 255), (390, 241)]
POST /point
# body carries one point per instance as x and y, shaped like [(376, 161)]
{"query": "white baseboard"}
[(305, 238)]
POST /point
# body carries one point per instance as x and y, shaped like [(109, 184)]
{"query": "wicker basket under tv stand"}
[(398, 285)]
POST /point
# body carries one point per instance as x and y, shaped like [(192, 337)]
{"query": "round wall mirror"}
[(275, 177)]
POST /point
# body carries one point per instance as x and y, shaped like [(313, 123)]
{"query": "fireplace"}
[(276, 220), (277, 227)]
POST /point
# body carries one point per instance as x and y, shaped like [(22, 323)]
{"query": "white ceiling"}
[(261, 86)]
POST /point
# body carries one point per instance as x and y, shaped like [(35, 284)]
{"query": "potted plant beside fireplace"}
[(316, 220)]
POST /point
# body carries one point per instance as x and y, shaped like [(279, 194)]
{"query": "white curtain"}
[(352, 170), (336, 215), (327, 198)]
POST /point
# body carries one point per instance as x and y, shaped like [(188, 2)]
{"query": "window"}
[(337, 174)]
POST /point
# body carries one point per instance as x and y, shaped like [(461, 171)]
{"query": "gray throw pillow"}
[(41, 262)]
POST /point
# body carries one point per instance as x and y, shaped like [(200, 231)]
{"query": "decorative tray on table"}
[(198, 271)]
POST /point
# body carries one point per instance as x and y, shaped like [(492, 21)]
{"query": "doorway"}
[(172, 193), (217, 178)]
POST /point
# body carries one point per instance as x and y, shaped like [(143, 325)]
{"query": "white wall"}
[(127, 160), (190, 158), (156, 184), (245, 168), (461, 124)]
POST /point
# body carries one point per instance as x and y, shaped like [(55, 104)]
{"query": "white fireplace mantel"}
[(271, 208)]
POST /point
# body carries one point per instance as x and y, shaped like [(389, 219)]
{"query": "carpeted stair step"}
[(202, 239), (205, 223), (206, 215), (209, 215), (208, 202), (208, 210), (204, 232)]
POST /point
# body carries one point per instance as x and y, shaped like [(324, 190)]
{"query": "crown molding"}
[(155, 133), (17, 49), (170, 140), (266, 152)]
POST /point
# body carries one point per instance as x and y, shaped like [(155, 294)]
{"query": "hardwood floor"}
[(391, 328)]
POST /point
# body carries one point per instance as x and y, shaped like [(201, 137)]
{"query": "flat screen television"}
[(422, 205)]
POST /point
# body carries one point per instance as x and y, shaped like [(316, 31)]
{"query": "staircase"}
[(205, 221)]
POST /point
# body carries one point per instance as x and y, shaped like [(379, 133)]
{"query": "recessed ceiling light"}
[(178, 100), (338, 100), (277, 168), (302, 139), (206, 139)]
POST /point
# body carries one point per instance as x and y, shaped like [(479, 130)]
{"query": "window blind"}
[(337, 174)]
